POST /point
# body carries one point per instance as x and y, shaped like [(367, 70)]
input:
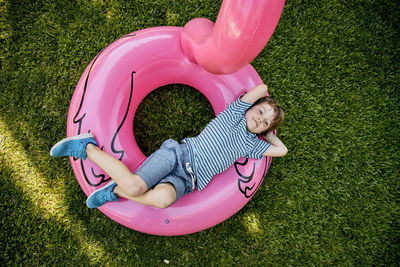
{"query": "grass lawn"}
[(333, 200)]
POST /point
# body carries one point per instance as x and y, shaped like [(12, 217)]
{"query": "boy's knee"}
[(136, 187), (163, 203), (164, 197)]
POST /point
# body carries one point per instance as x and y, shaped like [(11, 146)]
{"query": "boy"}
[(177, 169)]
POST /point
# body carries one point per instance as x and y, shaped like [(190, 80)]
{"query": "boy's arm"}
[(254, 94), (277, 148)]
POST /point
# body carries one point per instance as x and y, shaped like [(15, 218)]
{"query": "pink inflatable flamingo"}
[(242, 29), (121, 75)]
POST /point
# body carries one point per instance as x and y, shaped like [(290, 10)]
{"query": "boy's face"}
[(259, 118)]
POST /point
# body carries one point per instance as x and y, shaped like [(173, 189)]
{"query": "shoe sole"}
[(97, 190), (77, 137)]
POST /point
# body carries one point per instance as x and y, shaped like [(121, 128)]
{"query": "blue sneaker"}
[(73, 146), (102, 195)]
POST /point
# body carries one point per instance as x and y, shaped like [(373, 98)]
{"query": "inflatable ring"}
[(105, 101)]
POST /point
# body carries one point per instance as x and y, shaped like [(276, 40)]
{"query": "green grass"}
[(333, 200)]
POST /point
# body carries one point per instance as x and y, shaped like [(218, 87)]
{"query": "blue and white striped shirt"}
[(223, 141)]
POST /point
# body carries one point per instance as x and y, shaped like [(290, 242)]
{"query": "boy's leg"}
[(129, 183), (161, 196)]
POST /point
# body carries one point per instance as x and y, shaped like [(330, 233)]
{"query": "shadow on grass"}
[(29, 235)]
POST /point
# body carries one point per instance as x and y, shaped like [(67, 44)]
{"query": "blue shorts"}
[(169, 164)]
